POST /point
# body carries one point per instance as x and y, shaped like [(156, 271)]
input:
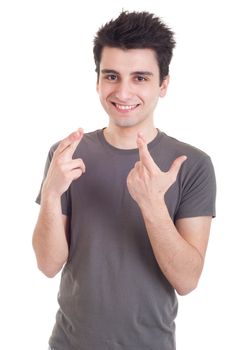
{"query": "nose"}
[(123, 91)]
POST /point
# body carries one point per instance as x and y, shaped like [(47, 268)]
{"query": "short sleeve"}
[(198, 193), (65, 198)]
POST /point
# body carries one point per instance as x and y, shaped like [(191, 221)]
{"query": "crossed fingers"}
[(68, 145), (148, 162), (144, 154)]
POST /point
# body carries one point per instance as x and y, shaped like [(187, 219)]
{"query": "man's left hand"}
[(146, 182)]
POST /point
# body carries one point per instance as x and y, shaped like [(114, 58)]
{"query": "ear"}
[(164, 86)]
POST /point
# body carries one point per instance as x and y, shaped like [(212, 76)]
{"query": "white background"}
[(47, 90)]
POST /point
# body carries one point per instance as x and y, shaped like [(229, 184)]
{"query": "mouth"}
[(124, 108)]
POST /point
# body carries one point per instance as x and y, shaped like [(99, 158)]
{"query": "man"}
[(126, 209)]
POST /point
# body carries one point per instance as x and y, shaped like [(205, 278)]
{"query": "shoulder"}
[(196, 179), (174, 148), (171, 143)]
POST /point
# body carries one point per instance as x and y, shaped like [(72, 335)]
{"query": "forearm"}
[(49, 238), (180, 262)]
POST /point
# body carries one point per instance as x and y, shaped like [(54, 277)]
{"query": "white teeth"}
[(125, 107)]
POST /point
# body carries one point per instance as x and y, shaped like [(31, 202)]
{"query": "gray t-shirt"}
[(113, 295)]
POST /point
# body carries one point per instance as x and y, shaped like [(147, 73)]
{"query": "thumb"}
[(176, 165)]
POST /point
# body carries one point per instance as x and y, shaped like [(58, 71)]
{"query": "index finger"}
[(144, 153), (70, 142)]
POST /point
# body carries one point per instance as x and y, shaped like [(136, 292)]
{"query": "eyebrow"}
[(112, 71)]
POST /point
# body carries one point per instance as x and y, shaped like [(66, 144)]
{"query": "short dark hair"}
[(137, 30)]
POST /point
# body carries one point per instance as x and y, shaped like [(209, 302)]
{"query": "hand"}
[(63, 168), (146, 182)]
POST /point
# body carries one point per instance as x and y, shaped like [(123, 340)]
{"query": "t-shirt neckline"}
[(150, 145)]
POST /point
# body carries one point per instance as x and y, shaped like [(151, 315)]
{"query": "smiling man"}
[(126, 210), (128, 94)]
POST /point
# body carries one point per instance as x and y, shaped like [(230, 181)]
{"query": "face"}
[(129, 85)]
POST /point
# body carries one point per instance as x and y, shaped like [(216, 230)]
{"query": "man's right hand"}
[(63, 168)]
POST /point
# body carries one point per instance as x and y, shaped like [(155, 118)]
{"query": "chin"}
[(126, 123)]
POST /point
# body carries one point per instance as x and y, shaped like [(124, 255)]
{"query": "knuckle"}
[(78, 173), (59, 163), (128, 180), (79, 164), (80, 160), (66, 176)]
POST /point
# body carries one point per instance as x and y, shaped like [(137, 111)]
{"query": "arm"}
[(50, 234), (180, 249), (49, 238)]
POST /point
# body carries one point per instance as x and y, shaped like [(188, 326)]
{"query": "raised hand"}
[(63, 168), (146, 182)]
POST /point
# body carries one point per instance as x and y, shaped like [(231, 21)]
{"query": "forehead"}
[(128, 60)]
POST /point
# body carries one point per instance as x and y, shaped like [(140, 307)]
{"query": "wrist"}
[(153, 209), (48, 196)]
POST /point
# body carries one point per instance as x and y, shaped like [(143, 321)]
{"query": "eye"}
[(111, 77), (140, 78)]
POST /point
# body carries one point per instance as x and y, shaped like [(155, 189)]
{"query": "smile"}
[(124, 107)]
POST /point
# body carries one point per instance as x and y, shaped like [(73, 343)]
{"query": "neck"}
[(125, 137)]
